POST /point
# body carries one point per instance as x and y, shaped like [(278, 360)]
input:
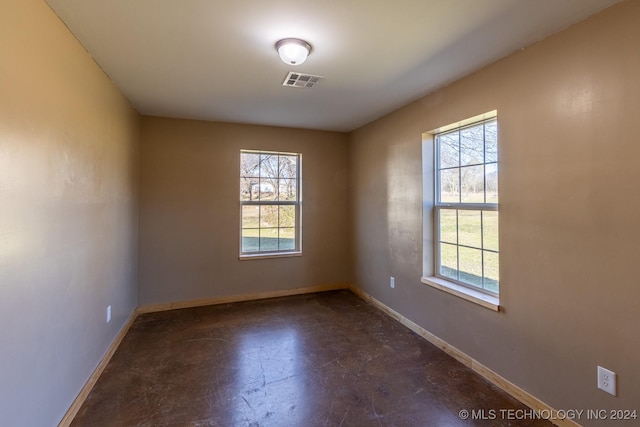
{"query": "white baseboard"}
[(91, 382), (152, 308), (501, 382), (491, 376), (86, 389)]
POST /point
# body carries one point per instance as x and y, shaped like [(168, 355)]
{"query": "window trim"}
[(297, 251), (481, 296), (489, 301)]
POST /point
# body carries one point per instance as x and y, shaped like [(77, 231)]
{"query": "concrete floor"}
[(326, 359)]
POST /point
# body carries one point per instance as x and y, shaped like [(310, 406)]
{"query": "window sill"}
[(270, 255), (487, 301)]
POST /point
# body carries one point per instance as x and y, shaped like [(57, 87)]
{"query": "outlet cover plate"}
[(607, 380)]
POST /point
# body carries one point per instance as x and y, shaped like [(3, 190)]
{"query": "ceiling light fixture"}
[(293, 51)]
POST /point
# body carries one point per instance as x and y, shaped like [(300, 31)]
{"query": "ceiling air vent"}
[(301, 80)]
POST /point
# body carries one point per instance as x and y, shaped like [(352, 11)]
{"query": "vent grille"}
[(301, 80)]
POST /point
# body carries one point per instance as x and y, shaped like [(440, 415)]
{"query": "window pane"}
[(490, 230), (472, 145), (448, 226), (250, 216), (467, 173), (287, 189), (268, 216), (472, 182), (449, 186), (288, 167), (249, 164), (269, 178), (287, 216), (250, 240), (267, 189), (449, 261), (287, 239), (491, 271), (491, 172), (491, 141), (268, 239), (471, 266), (269, 166), (449, 150), (249, 189), (470, 228)]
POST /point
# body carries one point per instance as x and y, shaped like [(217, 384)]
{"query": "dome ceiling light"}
[(293, 51)]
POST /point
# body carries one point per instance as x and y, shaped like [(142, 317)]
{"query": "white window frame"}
[(297, 250), (450, 285)]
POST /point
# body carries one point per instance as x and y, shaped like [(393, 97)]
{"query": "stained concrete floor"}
[(326, 359)]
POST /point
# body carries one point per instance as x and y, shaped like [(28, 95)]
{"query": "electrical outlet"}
[(108, 314), (392, 282), (607, 380)]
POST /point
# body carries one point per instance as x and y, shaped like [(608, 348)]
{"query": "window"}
[(269, 203), (466, 206)]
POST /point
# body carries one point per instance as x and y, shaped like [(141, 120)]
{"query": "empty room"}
[(337, 213)]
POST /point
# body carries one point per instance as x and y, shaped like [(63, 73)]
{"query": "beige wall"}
[(189, 211), (68, 233), (569, 213), (570, 236)]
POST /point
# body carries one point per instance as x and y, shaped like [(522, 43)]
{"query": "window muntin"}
[(466, 207), (269, 202)]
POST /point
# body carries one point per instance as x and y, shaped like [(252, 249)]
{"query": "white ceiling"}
[(216, 60)]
